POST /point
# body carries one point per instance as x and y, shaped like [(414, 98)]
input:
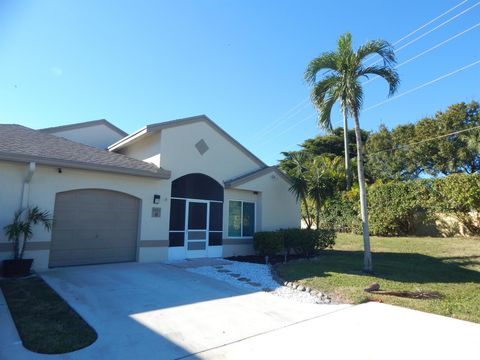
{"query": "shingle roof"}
[(19, 143)]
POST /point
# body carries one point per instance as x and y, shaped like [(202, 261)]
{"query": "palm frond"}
[(325, 108), (387, 73), (321, 88), (326, 61), (379, 47)]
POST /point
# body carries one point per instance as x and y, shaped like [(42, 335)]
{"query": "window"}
[(241, 219)]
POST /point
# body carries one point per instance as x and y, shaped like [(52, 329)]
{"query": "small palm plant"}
[(21, 228)]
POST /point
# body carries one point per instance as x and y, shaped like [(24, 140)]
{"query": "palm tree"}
[(323, 179), (297, 170), (341, 71), (22, 226)]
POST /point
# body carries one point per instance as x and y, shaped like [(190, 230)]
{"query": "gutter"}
[(25, 198)]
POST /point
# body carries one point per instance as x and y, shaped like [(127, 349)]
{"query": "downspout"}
[(24, 202), (26, 186)]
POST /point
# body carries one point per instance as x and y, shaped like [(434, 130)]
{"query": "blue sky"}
[(239, 62)]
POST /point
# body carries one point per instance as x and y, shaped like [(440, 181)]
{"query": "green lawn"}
[(450, 266), (45, 322)]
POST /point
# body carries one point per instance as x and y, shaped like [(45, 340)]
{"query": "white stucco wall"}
[(146, 149), (277, 205), (46, 182), (99, 135), (222, 161)]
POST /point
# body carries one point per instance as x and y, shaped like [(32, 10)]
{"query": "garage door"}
[(94, 226)]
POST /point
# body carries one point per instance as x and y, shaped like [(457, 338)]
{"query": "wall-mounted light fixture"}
[(156, 199)]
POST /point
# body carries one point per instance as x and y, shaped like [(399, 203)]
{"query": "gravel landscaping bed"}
[(259, 277)]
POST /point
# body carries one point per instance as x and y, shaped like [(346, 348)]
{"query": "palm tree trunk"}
[(309, 223), (318, 212), (348, 171), (367, 256)]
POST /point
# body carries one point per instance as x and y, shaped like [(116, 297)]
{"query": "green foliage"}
[(22, 227), (268, 243), (315, 179), (390, 155), (395, 207), (342, 214), (459, 195), (301, 241), (398, 208)]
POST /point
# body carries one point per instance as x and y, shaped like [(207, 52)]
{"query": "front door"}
[(196, 228)]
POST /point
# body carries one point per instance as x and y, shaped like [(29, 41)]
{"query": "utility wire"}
[(430, 22), (289, 114), (432, 30), (400, 147), (300, 106), (423, 85), (429, 50), (385, 101)]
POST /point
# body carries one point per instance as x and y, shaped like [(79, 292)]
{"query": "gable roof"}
[(22, 144), (237, 181), (85, 124), (180, 122)]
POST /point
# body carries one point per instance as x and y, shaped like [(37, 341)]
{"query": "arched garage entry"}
[(196, 214), (94, 226)]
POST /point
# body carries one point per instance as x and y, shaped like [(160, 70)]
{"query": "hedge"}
[(304, 242), (399, 207)]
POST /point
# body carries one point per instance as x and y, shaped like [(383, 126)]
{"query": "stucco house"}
[(173, 190)]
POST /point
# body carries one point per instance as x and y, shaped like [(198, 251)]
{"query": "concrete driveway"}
[(157, 311)]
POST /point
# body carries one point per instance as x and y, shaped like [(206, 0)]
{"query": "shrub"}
[(341, 214), (268, 243), (308, 241), (395, 207)]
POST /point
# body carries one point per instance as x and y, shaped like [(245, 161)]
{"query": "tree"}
[(323, 180), (342, 70), (449, 154), (295, 165), (388, 156)]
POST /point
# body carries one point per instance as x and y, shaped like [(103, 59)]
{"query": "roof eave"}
[(233, 183), (160, 174)]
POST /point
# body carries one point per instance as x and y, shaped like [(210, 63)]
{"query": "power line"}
[(429, 50), (424, 140), (387, 100), (430, 22), (296, 109), (423, 85), (432, 30), (289, 114)]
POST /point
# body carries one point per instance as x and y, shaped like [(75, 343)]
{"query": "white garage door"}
[(94, 226)]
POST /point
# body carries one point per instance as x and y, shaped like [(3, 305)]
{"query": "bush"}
[(307, 242), (268, 243), (395, 207), (341, 214)]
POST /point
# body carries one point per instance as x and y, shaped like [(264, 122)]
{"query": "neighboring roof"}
[(22, 144), (179, 122), (85, 124), (254, 175)]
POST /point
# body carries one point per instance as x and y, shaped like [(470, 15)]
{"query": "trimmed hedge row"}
[(402, 207), (305, 242)]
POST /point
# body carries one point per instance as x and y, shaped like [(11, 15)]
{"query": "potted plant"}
[(19, 232)]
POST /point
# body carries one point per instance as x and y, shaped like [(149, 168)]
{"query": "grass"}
[(45, 322), (450, 266)]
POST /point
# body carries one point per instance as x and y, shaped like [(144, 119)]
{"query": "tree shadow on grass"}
[(402, 267)]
